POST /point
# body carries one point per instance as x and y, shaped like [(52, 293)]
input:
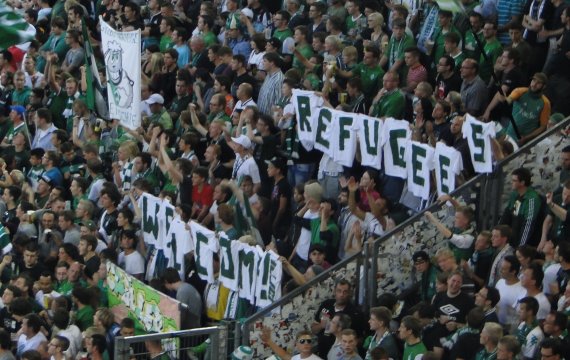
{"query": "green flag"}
[(14, 30), (94, 94), (455, 6)]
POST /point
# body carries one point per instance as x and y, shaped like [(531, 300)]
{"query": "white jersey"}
[(478, 135), (448, 163), (419, 160), (395, 135), (304, 242), (206, 244), (229, 260), (369, 133), (178, 243), (269, 273), (248, 257), (343, 140)]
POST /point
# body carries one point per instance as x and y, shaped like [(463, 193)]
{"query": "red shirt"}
[(204, 197)]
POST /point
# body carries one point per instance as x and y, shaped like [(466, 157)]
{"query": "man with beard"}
[(531, 110)]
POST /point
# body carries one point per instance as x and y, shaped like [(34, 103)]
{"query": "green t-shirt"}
[(210, 38), (179, 104), (305, 50), (21, 97), (282, 34), (165, 43), (371, 78), (396, 48), (470, 47), (485, 355), (64, 288), (493, 49), (414, 352), (84, 317), (163, 118), (4, 237), (390, 105), (439, 42), (527, 111)]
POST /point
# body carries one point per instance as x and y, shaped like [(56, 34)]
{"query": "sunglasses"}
[(305, 341)]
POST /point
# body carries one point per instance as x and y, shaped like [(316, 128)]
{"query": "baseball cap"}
[(155, 99), (89, 224), (556, 118), (540, 77), (243, 141), (420, 256), (242, 353), (247, 12), (19, 109), (47, 180), (277, 162)]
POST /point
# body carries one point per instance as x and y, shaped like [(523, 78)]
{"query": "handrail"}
[(369, 271)]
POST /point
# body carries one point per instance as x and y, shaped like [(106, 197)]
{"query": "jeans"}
[(330, 185), (299, 173)]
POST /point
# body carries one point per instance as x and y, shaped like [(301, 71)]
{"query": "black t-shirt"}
[(327, 309), (455, 308), (444, 86), (8, 322), (281, 189), (34, 272), (466, 347), (227, 152), (92, 266)]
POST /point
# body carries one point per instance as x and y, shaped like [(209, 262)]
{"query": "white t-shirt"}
[(394, 163), (73, 334), (507, 305), (549, 277), (304, 242), (543, 305), (312, 357), (25, 344), (256, 59), (479, 145), (247, 167), (446, 185), (133, 263)]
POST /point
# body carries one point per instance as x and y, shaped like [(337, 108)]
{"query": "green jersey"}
[(390, 105), (396, 48), (493, 49), (305, 50), (414, 352), (84, 317), (21, 97), (470, 47), (439, 42), (163, 118), (209, 39), (371, 78), (530, 111), (281, 35), (165, 43)]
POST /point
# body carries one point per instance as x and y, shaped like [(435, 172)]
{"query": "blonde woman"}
[(333, 47), (378, 37), (349, 57), (153, 66), (123, 168)]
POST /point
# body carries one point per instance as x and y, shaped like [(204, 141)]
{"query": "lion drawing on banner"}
[(121, 83)]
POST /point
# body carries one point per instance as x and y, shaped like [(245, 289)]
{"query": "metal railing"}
[(390, 255), (208, 343)]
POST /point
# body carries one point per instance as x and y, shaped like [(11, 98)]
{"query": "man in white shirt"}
[(69, 331), (31, 336), (130, 259), (510, 290), (531, 280), (244, 164)]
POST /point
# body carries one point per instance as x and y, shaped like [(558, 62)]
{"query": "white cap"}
[(243, 141), (247, 12), (155, 99)]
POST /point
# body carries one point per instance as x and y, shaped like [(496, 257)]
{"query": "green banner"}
[(151, 310)]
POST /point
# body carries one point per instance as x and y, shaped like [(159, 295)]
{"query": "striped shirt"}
[(506, 9), (270, 92)]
